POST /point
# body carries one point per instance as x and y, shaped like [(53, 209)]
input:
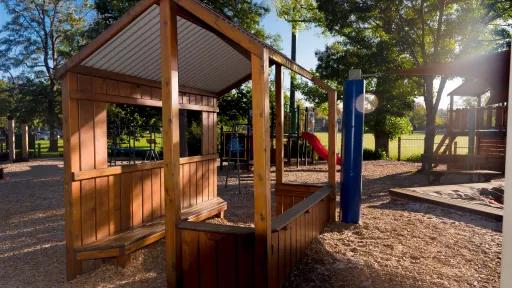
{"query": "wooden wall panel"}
[(289, 244), (287, 195), (230, 255), (199, 182), (107, 205)]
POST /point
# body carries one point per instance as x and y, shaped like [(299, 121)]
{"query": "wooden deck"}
[(425, 194)]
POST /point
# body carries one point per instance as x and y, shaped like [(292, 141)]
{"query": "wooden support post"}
[(261, 152), (332, 151), (171, 139), (11, 142), (24, 142), (72, 223), (279, 124)]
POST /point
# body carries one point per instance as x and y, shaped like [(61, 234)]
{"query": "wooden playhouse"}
[(181, 56)]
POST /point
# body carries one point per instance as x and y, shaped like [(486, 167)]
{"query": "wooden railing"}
[(216, 255), (487, 118), (293, 231)]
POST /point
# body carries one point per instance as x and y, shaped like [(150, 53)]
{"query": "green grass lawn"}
[(412, 144)]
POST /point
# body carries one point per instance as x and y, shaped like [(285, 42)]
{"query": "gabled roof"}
[(213, 53), (471, 88)]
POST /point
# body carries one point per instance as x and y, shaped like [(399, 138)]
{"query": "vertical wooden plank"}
[(114, 202), (332, 152), (156, 193), (207, 260), (137, 198), (205, 139), (126, 201), (102, 208), (212, 181), (192, 184), (88, 187), (186, 185), (147, 201), (274, 271), (211, 130), (214, 129), (190, 258), (245, 265), (112, 87), (261, 150), (156, 94), (101, 161), (282, 256), (162, 192), (171, 137), (72, 228), (226, 261), (199, 181), (279, 123), (206, 178), (145, 92)]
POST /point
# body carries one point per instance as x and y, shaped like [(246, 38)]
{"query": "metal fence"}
[(411, 149)]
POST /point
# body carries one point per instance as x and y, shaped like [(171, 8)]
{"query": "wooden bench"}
[(124, 243), (434, 177)]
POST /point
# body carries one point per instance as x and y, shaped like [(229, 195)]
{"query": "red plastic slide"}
[(318, 147)]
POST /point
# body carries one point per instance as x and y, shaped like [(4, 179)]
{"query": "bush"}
[(370, 154), (415, 158)]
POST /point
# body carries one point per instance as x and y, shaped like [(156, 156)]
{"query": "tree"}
[(34, 41), (300, 14), (419, 31), (395, 97)]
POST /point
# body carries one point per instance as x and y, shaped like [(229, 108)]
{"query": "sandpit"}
[(399, 243)]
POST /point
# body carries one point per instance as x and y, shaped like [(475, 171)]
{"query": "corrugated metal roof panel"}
[(205, 61)]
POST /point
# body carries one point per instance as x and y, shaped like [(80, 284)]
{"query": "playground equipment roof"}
[(213, 53), (490, 70), (473, 88)]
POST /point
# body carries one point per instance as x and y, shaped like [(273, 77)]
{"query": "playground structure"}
[(296, 144), (485, 125), (113, 211)]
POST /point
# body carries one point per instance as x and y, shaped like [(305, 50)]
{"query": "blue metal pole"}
[(353, 123)]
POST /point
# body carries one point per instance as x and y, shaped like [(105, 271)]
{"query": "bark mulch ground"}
[(398, 244)]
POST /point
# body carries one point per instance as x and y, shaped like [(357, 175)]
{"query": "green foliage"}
[(299, 13), (234, 107), (394, 126), (381, 36), (370, 154), (414, 158), (131, 120), (417, 117)]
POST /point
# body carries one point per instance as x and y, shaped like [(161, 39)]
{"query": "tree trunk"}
[(430, 124), (382, 142), (52, 120)]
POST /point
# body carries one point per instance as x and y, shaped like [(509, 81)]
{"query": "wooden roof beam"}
[(280, 58)]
